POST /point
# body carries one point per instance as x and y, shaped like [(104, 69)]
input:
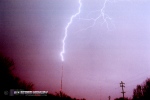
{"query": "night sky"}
[(96, 59)]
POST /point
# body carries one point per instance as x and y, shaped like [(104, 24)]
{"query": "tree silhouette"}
[(138, 93), (121, 98), (7, 79), (62, 96), (142, 92)]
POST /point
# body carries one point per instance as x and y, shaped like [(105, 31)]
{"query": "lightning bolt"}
[(66, 30), (102, 15), (105, 17)]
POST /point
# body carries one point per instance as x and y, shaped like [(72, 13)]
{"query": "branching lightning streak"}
[(66, 30), (102, 15)]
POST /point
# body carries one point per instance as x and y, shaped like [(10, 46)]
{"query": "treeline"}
[(141, 92), (9, 81), (62, 96)]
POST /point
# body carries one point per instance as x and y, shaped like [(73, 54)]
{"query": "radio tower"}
[(61, 81), (61, 78)]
